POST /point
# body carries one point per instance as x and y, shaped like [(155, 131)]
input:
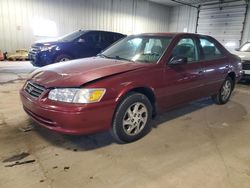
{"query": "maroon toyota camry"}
[(133, 80)]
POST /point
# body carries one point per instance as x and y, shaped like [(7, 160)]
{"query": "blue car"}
[(79, 44)]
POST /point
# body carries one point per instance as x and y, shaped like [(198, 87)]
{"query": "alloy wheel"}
[(135, 119), (64, 59), (226, 90)]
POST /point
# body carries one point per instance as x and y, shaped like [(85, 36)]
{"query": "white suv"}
[(244, 53)]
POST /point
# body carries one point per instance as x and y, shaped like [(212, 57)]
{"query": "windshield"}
[(72, 36), (147, 49), (245, 47)]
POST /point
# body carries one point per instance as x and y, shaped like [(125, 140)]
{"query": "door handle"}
[(200, 71)]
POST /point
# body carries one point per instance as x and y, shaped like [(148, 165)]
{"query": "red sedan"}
[(133, 80)]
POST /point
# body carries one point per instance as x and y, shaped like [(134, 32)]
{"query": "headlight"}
[(47, 48), (240, 65), (75, 95)]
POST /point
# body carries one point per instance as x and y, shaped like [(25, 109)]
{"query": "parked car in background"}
[(244, 53), (1, 56), (19, 55), (79, 44), (129, 83)]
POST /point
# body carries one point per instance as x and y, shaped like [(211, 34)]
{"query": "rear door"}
[(183, 82), (215, 65)]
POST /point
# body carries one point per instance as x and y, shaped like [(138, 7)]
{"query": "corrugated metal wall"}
[(125, 16), (183, 19)]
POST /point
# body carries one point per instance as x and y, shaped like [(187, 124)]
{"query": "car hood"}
[(47, 43), (78, 72), (242, 55)]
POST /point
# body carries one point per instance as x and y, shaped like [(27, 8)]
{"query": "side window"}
[(92, 38), (106, 40), (109, 38), (114, 37), (117, 37), (103, 38), (210, 51), (186, 48)]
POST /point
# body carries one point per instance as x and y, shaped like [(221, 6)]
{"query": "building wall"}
[(183, 19), (246, 33), (125, 16)]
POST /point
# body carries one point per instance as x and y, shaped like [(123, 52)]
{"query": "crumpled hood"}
[(78, 72)]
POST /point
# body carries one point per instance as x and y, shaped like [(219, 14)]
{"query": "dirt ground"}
[(198, 145)]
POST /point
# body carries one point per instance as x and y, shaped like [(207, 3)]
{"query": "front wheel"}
[(62, 57), (132, 118), (225, 92)]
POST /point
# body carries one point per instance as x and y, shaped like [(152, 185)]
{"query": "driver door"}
[(183, 81)]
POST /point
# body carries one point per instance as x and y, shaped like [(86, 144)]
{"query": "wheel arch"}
[(62, 52), (147, 91), (232, 75)]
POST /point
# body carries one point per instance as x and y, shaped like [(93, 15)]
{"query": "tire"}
[(63, 57), (138, 121), (225, 92)]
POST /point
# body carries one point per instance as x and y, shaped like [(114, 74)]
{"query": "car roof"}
[(101, 31), (172, 34)]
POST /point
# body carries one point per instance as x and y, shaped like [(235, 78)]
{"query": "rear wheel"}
[(132, 118), (63, 57), (225, 92)]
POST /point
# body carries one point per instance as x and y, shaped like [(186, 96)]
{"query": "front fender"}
[(132, 86)]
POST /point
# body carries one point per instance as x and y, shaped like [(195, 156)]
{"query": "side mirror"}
[(237, 49), (178, 61)]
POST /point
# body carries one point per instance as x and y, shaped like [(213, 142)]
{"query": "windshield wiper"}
[(116, 57), (121, 58), (102, 55)]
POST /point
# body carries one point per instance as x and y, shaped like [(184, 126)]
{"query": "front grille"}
[(33, 89), (246, 65), (34, 50)]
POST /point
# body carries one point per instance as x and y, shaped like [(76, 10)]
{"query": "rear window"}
[(210, 50)]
